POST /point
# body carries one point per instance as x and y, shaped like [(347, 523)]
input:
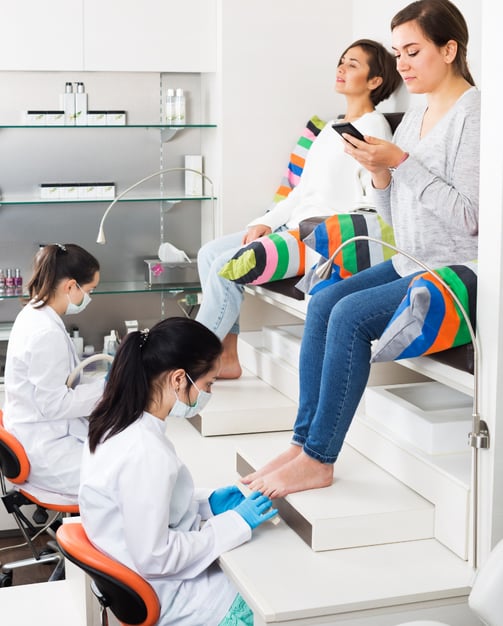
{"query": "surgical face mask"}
[(73, 309), (181, 409)]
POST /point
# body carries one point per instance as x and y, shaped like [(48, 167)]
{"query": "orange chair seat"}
[(130, 597)]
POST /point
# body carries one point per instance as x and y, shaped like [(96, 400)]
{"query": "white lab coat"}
[(46, 416), (138, 504)]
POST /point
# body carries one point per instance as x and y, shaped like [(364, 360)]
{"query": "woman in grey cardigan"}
[(426, 185)]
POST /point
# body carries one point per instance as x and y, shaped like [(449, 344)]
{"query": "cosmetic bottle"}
[(77, 341), (18, 280), (9, 278), (2, 281), (179, 106), (170, 105), (81, 105), (110, 343), (67, 104)]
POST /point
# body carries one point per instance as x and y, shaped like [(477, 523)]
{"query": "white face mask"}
[(181, 409), (73, 309)]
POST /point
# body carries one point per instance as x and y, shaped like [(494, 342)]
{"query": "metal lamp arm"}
[(479, 437), (325, 269), (101, 233)]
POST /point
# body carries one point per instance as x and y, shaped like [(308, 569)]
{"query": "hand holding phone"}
[(346, 127)]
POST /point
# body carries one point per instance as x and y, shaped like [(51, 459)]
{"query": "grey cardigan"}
[(432, 201)]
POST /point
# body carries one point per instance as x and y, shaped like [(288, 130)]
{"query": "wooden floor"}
[(31, 573)]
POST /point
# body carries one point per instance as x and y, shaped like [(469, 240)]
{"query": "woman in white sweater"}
[(331, 182), (137, 499)]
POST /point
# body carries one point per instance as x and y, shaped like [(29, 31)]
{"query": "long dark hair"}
[(142, 357), (381, 63), (440, 21), (57, 261)]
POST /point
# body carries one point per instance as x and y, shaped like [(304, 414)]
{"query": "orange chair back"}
[(13, 460), (130, 597)]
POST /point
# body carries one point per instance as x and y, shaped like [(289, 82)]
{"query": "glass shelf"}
[(139, 286), (175, 197), (143, 287), (158, 126)]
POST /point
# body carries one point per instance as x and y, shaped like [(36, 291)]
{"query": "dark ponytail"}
[(142, 357), (57, 261)]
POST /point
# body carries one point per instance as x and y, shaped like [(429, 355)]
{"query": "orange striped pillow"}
[(428, 320), (298, 158)]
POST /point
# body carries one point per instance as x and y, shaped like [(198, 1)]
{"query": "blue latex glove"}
[(225, 498), (256, 509)]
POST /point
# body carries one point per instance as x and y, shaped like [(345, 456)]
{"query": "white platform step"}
[(245, 405), (272, 354), (261, 362), (364, 506), (443, 479), (431, 416), (284, 342)]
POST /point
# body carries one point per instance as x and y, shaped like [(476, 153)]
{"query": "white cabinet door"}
[(42, 36), (151, 36)]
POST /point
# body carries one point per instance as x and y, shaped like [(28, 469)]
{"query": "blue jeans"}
[(342, 321), (222, 298)]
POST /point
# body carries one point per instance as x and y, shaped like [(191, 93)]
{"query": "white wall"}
[(277, 64)]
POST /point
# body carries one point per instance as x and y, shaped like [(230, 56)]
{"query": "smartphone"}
[(346, 127)]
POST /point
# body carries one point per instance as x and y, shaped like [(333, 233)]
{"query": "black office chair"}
[(15, 467), (130, 597)]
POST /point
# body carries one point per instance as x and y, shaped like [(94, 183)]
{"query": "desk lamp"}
[(101, 233)]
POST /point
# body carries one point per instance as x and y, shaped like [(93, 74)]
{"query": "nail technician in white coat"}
[(137, 499), (48, 418)]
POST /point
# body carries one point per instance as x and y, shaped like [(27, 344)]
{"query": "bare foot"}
[(230, 366), (278, 461), (301, 473)]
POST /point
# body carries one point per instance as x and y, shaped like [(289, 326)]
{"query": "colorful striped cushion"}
[(269, 258), (298, 158), (355, 256), (428, 320)]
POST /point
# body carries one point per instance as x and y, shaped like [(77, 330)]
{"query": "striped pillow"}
[(298, 157), (278, 255), (428, 320), (269, 258), (355, 256)]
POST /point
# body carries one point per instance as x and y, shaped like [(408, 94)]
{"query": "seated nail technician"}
[(137, 499), (331, 182), (426, 185), (47, 417)]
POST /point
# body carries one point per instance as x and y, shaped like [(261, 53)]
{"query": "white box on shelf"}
[(431, 416), (88, 191), (158, 272), (116, 118), (105, 191), (54, 118), (69, 192), (49, 191), (96, 118), (193, 180), (35, 118)]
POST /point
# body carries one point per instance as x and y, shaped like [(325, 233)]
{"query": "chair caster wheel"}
[(6, 579)]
